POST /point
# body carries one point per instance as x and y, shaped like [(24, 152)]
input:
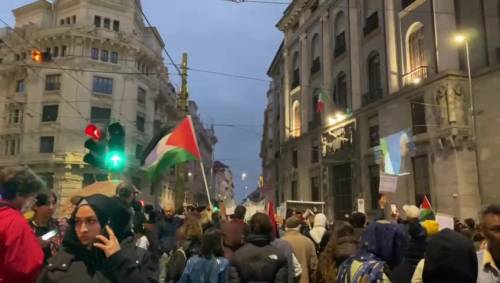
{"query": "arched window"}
[(374, 77), (296, 70), (316, 54), (296, 120), (339, 34), (415, 43), (340, 91)]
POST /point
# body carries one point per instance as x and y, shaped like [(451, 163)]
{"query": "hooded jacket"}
[(16, 241), (450, 257), (382, 249), (414, 253), (259, 261), (319, 234), (75, 263)]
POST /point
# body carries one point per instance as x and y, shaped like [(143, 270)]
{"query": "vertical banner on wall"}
[(395, 149)]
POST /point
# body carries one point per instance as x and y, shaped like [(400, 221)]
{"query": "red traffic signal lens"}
[(93, 132)]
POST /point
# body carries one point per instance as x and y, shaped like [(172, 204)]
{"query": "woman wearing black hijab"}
[(97, 248)]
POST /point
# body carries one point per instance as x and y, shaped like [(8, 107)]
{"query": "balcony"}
[(371, 96), (371, 24), (406, 3), (316, 66), (416, 76)]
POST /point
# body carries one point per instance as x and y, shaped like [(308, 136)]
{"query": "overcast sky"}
[(224, 37)]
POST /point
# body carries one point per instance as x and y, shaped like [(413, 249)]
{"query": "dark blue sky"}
[(224, 37)]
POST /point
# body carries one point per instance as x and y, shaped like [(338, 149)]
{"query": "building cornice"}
[(291, 14), (276, 59), (67, 4), (110, 5), (31, 7)]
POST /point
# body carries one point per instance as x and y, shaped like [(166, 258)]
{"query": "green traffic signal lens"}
[(115, 160)]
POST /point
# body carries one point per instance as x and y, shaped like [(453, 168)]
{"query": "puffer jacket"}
[(17, 240), (258, 261), (130, 264)]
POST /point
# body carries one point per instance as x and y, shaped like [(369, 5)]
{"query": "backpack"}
[(371, 270)]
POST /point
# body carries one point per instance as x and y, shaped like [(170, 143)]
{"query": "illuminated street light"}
[(462, 39), (243, 176), (459, 38), (190, 174)]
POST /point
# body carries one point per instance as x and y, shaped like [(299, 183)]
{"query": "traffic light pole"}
[(182, 105)]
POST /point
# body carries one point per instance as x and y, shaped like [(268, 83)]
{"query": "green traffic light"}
[(115, 161)]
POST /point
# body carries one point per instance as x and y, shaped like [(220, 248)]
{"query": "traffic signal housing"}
[(116, 159), (96, 147)]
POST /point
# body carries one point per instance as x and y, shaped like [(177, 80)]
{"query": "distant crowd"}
[(117, 239)]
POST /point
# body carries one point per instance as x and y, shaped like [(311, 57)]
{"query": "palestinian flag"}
[(177, 147), (320, 104), (426, 212)]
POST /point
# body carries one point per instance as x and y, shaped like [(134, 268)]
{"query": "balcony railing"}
[(371, 96), (371, 24), (316, 66), (406, 3), (415, 76)]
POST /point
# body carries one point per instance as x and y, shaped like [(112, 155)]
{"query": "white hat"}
[(411, 211)]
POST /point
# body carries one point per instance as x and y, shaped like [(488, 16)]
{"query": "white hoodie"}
[(319, 228)]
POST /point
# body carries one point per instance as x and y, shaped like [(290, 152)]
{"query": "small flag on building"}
[(426, 212), (320, 104), (177, 147)]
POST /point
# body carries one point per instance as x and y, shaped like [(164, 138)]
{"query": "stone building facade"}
[(106, 66), (386, 66)]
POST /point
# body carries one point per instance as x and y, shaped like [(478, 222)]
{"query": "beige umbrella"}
[(107, 188)]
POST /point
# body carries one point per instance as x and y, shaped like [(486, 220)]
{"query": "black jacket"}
[(130, 264), (74, 263), (167, 227), (258, 261)]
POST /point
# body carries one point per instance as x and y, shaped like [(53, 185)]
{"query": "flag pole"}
[(205, 180)]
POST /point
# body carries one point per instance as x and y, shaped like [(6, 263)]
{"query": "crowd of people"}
[(117, 239)]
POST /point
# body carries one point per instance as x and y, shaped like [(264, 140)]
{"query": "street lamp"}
[(462, 39)]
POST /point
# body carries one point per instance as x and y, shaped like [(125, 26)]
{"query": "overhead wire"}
[(157, 37)]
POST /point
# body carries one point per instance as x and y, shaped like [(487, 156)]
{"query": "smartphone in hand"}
[(49, 235)]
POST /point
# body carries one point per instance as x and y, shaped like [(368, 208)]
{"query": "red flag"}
[(270, 212)]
